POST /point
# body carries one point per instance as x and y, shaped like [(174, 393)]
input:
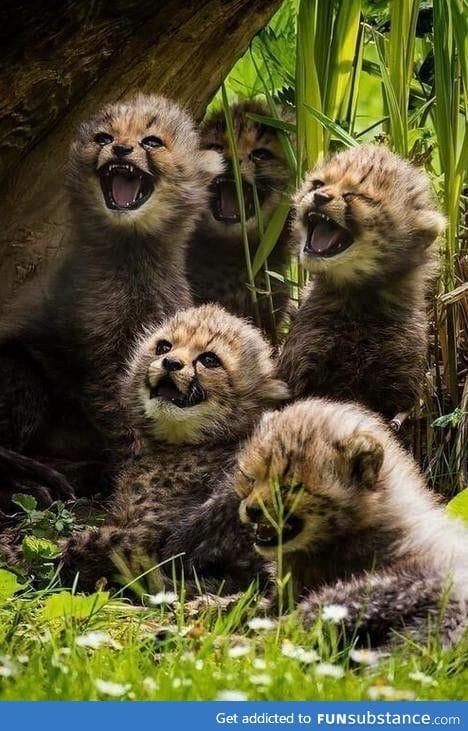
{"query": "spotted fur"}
[(361, 332), (64, 344), (216, 260), (178, 497), (370, 536)]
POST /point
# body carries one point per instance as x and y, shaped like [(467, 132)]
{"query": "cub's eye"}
[(349, 197), (163, 346), (209, 360), (248, 478), (316, 184), (261, 154), (102, 138), (152, 141), (214, 146)]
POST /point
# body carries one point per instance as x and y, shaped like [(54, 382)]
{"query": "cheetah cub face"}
[(262, 166), (309, 474), (203, 376), (365, 213), (138, 164)]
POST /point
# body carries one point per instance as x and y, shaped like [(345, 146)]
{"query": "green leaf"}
[(65, 604), (272, 122), (311, 56), (453, 419), (342, 54), (271, 235), (27, 502), (332, 127), (9, 584), (397, 127), (34, 548), (281, 278), (458, 506)]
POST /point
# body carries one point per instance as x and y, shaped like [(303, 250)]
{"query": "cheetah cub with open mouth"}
[(196, 387), (365, 226), (328, 485)]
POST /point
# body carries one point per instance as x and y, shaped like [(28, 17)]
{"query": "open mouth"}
[(325, 237), (166, 390), (266, 535), (125, 186), (225, 205)]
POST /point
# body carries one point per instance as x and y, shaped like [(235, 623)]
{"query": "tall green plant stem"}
[(240, 198)]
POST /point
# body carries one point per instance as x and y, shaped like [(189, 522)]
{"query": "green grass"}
[(161, 654)]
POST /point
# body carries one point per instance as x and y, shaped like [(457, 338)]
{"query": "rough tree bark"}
[(61, 60)]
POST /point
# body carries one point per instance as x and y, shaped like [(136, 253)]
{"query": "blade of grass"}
[(338, 132), (342, 55), (271, 235), (397, 131), (240, 198), (310, 138), (272, 122)]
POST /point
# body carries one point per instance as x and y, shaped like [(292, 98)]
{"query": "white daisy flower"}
[(56, 662), (8, 668), (188, 657), (179, 682), (366, 657), (231, 695), (162, 597), (296, 652), (107, 687), (95, 640), (326, 669), (198, 664), (259, 663), (239, 650), (149, 684), (376, 692), (261, 624), (334, 613), (260, 679), (46, 636), (422, 678)]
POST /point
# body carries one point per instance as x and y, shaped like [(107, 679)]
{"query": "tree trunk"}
[(62, 60)]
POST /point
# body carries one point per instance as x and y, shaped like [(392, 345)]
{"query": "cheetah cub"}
[(196, 388), (365, 225), (216, 261), (356, 523), (137, 184)]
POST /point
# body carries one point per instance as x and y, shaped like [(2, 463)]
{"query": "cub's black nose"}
[(254, 512), (121, 150), (321, 198), (172, 364)]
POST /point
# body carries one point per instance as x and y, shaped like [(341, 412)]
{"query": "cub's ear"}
[(362, 456), (274, 390), (211, 164), (434, 224)]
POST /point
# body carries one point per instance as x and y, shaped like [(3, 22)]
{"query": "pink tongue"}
[(324, 237), (125, 190), (228, 200)]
